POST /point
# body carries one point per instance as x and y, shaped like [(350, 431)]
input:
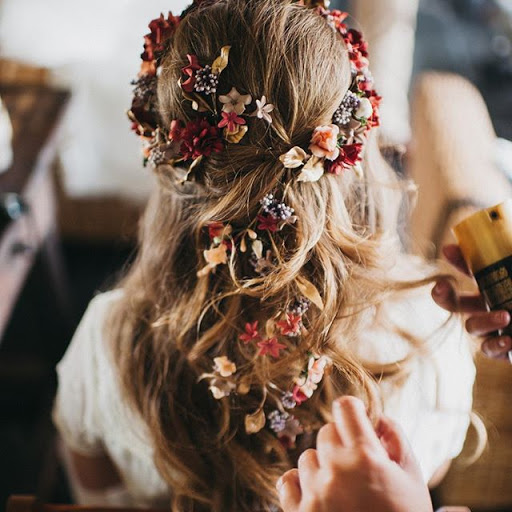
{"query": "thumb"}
[(397, 446)]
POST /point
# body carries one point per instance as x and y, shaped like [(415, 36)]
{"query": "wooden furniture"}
[(27, 191), (452, 162), (32, 504)]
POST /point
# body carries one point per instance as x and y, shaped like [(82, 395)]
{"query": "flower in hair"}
[(270, 346), (200, 138), (224, 366), (263, 109), (233, 101), (324, 142), (231, 121), (348, 157), (190, 70), (251, 333), (291, 325)]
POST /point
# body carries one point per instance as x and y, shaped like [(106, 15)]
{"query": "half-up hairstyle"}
[(171, 323)]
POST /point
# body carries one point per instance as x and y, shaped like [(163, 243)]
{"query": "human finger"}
[(497, 347), (353, 424), (397, 446), (308, 467), (454, 255), (445, 296), (484, 323), (288, 488), (327, 441)]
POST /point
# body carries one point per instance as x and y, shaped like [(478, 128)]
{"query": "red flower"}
[(200, 138), (190, 71), (298, 395), (356, 41), (251, 332), (375, 100), (231, 120), (291, 326), (176, 131), (270, 346), (269, 223), (161, 30), (339, 17), (215, 229), (349, 155)]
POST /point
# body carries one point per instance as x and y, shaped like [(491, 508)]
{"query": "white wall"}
[(93, 46)]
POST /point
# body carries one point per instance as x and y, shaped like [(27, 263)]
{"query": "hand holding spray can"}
[(485, 239)]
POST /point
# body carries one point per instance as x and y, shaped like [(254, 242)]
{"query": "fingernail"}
[(279, 484), (502, 343), (501, 317)]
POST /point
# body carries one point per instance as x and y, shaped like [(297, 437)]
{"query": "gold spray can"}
[(485, 239)]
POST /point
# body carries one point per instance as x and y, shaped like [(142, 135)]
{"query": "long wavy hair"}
[(170, 323)]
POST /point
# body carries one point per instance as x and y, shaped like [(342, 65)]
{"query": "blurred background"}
[(72, 186)]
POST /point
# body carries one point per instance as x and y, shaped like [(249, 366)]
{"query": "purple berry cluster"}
[(276, 209)]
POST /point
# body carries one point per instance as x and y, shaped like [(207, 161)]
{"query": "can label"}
[(495, 284)]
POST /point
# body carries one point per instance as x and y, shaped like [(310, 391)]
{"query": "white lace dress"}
[(433, 405)]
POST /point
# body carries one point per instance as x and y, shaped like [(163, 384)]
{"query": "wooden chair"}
[(27, 503)]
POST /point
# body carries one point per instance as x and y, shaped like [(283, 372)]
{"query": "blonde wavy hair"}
[(171, 323)]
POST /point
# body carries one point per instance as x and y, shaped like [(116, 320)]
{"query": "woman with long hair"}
[(270, 277)]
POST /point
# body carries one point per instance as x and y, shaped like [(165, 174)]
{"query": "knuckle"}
[(367, 457)]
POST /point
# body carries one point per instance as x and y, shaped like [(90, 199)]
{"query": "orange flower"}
[(324, 142)]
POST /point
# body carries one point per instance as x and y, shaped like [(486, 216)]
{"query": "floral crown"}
[(225, 118)]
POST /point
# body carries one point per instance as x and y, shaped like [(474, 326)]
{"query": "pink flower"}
[(270, 346), (298, 395), (324, 142), (251, 332), (231, 120), (291, 326), (200, 138), (190, 71), (349, 155)]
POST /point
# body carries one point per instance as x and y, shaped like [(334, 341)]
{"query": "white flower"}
[(234, 101), (293, 158), (224, 366), (221, 388), (365, 109), (263, 109), (313, 170)]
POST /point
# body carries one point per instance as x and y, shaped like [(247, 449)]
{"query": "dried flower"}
[(206, 81), (270, 346), (298, 395), (144, 87), (299, 306), (224, 366), (190, 71), (268, 223), (263, 109), (312, 171), (251, 332), (324, 142), (276, 209), (293, 158), (288, 401), (349, 155), (200, 138), (217, 255), (345, 111), (365, 109), (277, 420), (290, 326), (231, 121), (161, 30), (221, 388), (233, 101)]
